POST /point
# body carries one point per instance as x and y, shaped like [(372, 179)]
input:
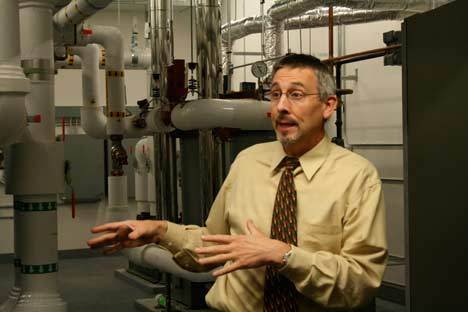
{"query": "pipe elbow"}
[(93, 122)]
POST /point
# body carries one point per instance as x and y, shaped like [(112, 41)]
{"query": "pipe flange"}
[(37, 69)]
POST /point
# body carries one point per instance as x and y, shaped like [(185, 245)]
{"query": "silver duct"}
[(282, 10), (287, 15), (208, 21)]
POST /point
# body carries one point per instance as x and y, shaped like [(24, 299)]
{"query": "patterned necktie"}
[(280, 293)]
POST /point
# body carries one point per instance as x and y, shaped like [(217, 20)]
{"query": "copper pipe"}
[(362, 55)]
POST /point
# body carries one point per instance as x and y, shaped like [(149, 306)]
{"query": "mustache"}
[(285, 119)]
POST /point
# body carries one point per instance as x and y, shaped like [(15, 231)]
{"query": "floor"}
[(88, 284)]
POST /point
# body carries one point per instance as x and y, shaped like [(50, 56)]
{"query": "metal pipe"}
[(286, 9), (330, 32), (208, 22)]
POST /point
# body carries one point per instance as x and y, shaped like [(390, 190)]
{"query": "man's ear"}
[(329, 106)]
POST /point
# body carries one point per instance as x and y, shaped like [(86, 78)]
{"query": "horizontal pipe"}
[(77, 11), (153, 256), (243, 114)]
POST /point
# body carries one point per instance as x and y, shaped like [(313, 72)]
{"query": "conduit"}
[(214, 113), (142, 167)]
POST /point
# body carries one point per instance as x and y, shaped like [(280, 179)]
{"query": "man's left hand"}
[(244, 251)]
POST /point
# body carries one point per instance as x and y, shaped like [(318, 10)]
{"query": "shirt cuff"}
[(174, 238), (294, 267)]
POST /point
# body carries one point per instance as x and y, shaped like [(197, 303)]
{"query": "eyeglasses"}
[(295, 96)]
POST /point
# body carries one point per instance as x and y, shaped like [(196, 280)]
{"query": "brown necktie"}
[(280, 293)]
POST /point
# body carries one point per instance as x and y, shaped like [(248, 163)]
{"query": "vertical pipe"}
[(330, 32), (208, 22), (339, 118), (34, 200)]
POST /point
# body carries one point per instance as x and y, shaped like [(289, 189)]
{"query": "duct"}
[(312, 18), (282, 10), (215, 113), (77, 11), (208, 21), (273, 40), (153, 256), (13, 83)]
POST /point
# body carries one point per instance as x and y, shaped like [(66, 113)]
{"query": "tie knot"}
[(290, 163)]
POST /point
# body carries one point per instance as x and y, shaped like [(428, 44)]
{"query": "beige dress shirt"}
[(341, 253)]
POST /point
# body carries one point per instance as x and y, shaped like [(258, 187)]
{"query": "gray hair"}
[(326, 82)]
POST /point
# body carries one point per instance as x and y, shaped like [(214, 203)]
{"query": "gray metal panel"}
[(86, 156), (436, 154)]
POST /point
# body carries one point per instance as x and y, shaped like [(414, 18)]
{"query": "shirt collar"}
[(310, 162)]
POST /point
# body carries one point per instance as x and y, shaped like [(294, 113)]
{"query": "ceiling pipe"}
[(77, 11), (283, 10)]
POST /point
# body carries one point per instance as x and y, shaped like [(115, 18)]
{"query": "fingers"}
[(218, 249), (113, 226), (112, 249), (218, 259), (228, 269), (103, 240), (221, 239)]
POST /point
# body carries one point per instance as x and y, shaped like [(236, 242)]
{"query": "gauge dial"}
[(259, 69)]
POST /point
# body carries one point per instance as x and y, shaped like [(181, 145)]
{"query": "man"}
[(298, 225)]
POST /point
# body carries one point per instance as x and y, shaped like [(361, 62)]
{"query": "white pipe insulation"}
[(140, 59), (93, 120), (142, 167), (246, 114), (153, 256), (13, 83), (77, 11)]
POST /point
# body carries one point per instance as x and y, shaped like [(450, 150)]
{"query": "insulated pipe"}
[(142, 168), (77, 11), (215, 113), (153, 256), (112, 41), (140, 59), (13, 83), (208, 21), (287, 9), (34, 200)]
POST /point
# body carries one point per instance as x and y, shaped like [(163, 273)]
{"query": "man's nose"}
[(284, 104)]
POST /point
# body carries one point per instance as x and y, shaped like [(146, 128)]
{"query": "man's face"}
[(298, 122)]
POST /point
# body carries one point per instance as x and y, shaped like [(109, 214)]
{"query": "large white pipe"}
[(112, 41), (93, 120), (139, 59), (153, 256), (77, 11), (13, 83), (141, 175), (213, 113)]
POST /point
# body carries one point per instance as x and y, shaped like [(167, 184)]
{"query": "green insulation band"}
[(30, 207), (39, 269)]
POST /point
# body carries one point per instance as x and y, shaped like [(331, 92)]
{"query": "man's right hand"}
[(127, 234)]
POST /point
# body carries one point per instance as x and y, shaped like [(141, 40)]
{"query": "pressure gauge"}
[(259, 69)]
